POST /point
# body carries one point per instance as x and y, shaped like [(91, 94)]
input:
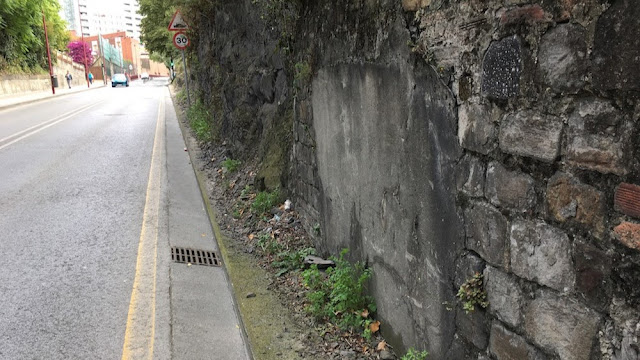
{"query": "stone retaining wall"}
[(19, 84), (548, 116)]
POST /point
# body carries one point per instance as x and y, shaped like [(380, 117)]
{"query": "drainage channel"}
[(194, 256)]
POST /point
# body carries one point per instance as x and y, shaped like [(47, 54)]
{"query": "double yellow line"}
[(140, 332), (21, 135)]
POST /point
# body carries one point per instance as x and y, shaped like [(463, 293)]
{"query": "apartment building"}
[(92, 17)]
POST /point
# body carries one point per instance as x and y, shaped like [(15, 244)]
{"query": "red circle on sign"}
[(180, 40)]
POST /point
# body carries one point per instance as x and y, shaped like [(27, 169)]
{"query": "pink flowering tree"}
[(79, 50)]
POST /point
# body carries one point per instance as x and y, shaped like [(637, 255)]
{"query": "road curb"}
[(26, 102)]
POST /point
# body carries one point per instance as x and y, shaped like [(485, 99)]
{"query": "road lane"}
[(72, 198), (15, 119)]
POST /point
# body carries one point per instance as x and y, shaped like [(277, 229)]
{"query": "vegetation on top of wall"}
[(281, 15), (199, 119), (22, 39)]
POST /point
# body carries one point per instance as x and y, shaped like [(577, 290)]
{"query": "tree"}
[(22, 43), (76, 51), (156, 17)]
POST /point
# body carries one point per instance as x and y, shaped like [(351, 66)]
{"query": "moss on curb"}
[(271, 331)]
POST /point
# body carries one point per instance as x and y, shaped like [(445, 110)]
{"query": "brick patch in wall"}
[(628, 234), (529, 14), (627, 199)]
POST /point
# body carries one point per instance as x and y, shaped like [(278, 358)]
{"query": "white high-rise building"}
[(100, 16)]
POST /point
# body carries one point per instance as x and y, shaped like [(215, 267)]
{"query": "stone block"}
[(415, 5), (504, 296), (628, 234), (597, 134), (509, 189), (569, 200), (486, 230), (627, 199), (562, 326), (563, 58), (506, 345), (593, 269), (542, 253), (477, 127), (501, 69), (616, 48), (470, 176), (466, 266), (473, 326), (531, 134)]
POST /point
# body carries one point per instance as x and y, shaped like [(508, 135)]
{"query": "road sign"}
[(180, 40), (177, 22)]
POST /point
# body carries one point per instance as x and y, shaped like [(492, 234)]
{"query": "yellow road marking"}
[(37, 128), (140, 332)]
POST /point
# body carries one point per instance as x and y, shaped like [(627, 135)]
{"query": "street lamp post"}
[(84, 50)]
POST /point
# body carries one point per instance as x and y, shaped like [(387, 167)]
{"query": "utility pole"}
[(46, 38), (100, 48)]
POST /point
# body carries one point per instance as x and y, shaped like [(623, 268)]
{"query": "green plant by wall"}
[(302, 73), (291, 260), (265, 200), (413, 354), (472, 293), (339, 296), (268, 244), (231, 165), (198, 117)]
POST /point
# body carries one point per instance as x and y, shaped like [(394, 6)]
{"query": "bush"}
[(340, 295)]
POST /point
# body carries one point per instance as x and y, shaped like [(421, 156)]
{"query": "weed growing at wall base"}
[(340, 295), (413, 354), (264, 201), (198, 117), (231, 165)]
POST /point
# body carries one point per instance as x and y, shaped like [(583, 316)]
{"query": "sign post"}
[(181, 41)]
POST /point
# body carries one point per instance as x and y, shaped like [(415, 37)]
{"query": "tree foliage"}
[(157, 15), (80, 52), (22, 40)]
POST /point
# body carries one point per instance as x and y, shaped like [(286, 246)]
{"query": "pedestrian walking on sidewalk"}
[(90, 78), (69, 78)]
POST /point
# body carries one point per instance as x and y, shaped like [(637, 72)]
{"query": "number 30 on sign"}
[(180, 40)]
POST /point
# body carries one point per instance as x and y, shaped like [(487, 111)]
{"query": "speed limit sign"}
[(180, 40)]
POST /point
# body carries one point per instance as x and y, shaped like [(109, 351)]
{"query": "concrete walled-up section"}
[(386, 153)]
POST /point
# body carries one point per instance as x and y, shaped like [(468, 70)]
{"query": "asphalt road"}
[(86, 225)]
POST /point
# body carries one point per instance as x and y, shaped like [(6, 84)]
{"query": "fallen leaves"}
[(382, 345), (374, 327)]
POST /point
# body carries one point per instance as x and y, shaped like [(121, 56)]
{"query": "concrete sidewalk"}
[(7, 101), (204, 318)]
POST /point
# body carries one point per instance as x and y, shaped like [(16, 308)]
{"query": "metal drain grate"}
[(194, 257)]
